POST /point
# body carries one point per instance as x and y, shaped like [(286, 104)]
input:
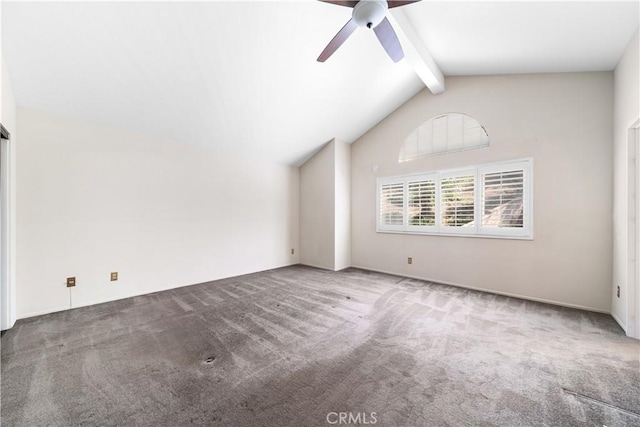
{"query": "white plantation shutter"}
[(494, 200), (421, 195), (502, 199), (506, 199), (391, 205), (457, 200)]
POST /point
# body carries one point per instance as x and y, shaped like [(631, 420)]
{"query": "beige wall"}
[(92, 200), (342, 205), (563, 122), (8, 103), (8, 171), (626, 113), (325, 208), (317, 209)]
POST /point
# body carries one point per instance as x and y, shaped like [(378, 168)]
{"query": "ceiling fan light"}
[(369, 13)]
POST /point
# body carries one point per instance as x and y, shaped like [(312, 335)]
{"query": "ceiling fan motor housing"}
[(369, 13)]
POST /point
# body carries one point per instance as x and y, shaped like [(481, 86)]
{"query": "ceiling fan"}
[(368, 14)]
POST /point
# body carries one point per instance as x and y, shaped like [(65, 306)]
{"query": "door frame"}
[(7, 285), (633, 233)]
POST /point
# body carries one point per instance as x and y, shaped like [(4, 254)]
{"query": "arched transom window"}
[(444, 134)]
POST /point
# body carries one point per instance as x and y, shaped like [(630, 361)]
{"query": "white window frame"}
[(527, 197), (417, 178), (477, 230), (387, 227), (442, 229)]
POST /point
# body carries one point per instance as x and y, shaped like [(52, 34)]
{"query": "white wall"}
[(317, 208), (92, 200), (8, 154), (342, 205), (626, 113), (562, 121), (8, 103), (325, 215)]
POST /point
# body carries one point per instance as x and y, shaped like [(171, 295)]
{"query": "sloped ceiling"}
[(243, 76), (513, 37)]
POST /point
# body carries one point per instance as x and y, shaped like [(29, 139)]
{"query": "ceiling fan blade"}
[(389, 40), (341, 3), (398, 3), (338, 39)]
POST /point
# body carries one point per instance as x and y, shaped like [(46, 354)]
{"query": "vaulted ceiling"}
[(243, 76)]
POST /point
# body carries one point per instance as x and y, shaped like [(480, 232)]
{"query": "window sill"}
[(482, 236)]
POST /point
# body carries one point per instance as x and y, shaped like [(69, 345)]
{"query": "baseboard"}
[(106, 300), (507, 294), (306, 264), (491, 291), (103, 301), (620, 322), (43, 312)]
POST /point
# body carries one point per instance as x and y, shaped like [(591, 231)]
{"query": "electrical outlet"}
[(114, 276), (292, 251), (71, 282), (410, 260), (618, 292)]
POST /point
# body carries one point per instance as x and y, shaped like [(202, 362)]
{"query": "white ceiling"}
[(474, 38), (243, 76)]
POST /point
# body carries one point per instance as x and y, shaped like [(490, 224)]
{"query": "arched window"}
[(444, 134)]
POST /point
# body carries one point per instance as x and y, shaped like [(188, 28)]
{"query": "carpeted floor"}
[(299, 346)]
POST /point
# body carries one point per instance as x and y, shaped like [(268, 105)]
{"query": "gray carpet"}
[(293, 346)]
